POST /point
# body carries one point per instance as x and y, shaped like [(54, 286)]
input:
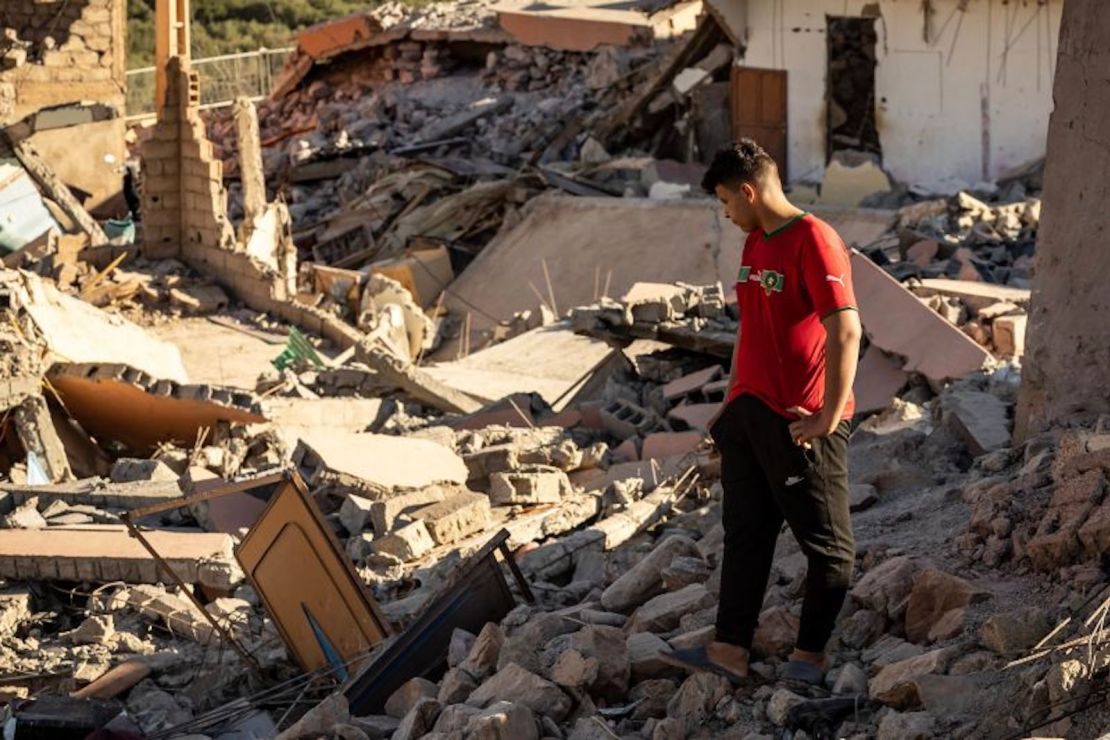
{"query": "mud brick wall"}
[(54, 51)]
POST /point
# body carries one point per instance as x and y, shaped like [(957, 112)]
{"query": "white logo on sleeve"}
[(836, 279), (794, 480)]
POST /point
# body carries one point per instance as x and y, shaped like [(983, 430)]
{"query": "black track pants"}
[(767, 478)]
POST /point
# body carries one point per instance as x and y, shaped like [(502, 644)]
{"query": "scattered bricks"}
[(354, 513), (383, 514), (623, 419), (530, 486), (1079, 451), (690, 384), (407, 543), (1056, 541), (662, 445), (1009, 335), (459, 516)]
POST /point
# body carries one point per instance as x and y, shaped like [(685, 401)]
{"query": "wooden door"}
[(759, 109)]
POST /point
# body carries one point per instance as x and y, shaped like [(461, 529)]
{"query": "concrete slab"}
[(217, 354), (976, 294), (77, 332), (550, 360), (388, 462), (897, 322), (106, 553)]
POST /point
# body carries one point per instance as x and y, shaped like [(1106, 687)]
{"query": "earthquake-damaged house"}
[(55, 56), (938, 90)]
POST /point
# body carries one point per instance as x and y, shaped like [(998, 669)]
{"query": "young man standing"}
[(783, 430)]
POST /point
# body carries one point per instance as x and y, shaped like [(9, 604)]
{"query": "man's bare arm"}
[(842, 338)]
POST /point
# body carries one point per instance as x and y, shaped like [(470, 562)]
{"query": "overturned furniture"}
[(323, 612), (478, 594)]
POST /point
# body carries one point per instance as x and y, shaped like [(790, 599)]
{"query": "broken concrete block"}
[(15, 607), (529, 486), (624, 419), (484, 655), (419, 721), (683, 571), (384, 513), (199, 298), (663, 612), (862, 496), (933, 594), (603, 646), (45, 451), (780, 704), (25, 516), (696, 699), (354, 513), (690, 384), (661, 445), (456, 685), (653, 303), (1009, 335), (456, 517), (407, 543), (401, 701), (886, 587), (645, 651), (513, 683), (128, 469), (776, 633), (895, 684), (979, 418), (503, 720), (645, 578), (95, 630), (1009, 633), (494, 459), (382, 461)]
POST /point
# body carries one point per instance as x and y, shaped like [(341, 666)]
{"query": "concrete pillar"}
[(1067, 361), (251, 174)]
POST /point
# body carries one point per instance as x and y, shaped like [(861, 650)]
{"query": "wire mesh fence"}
[(222, 79)]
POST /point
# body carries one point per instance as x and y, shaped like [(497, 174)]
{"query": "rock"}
[(977, 662), (950, 624), (459, 647), (25, 516), (663, 612), (128, 469), (644, 651), (886, 587), (528, 642), (933, 594), (377, 726), (776, 633), (455, 687), (1014, 631), (528, 487), (354, 513), (503, 721), (645, 578), (574, 670), (906, 726), (695, 638), (1067, 680), (780, 704), (850, 680), (861, 496), (407, 543), (862, 628), (513, 683), (454, 719), (889, 650), (95, 630), (979, 418), (683, 571), (950, 696), (670, 728), (697, 698), (896, 683), (319, 720), (595, 658), (411, 692), (419, 721), (482, 660), (654, 695)]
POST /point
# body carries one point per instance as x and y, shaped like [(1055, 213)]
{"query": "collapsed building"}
[(389, 420)]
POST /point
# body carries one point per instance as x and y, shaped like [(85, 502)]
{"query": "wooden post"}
[(171, 39)]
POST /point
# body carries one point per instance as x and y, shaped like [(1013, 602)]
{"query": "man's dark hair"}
[(744, 161)]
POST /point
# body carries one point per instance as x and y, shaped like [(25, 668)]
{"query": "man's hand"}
[(810, 426)]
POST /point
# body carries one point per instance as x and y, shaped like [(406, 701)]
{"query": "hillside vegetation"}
[(229, 26)]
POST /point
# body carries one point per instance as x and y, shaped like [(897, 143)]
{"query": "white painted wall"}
[(998, 58)]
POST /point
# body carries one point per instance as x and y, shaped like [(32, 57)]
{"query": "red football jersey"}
[(789, 280)]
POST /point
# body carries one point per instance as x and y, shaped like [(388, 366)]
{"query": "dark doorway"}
[(850, 88)]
